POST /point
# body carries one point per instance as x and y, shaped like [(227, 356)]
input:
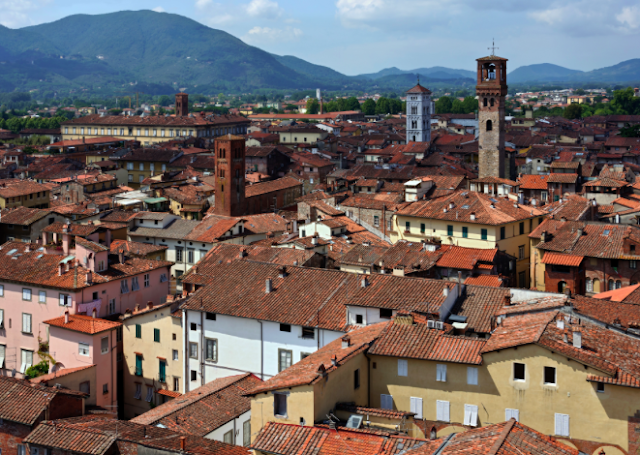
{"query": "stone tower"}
[(230, 167), (419, 108), (182, 104), (491, 91)]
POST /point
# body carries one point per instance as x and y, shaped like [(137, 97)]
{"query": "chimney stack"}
[(334, 360), (577, 338), (93, 313), (149, 304), (183, 443), (346, 341), (268, 285), (66, 317), (364, 283), (60, 269), (89, 278)]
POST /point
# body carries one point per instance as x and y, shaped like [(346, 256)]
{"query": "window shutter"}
[(442, 411), (403, 367), (565, 426), (512, 414), (386, 401), (416, 406), (472, 376), (441, 373), (562, 424), (473, 421)]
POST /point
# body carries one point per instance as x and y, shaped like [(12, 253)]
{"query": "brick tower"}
[(491, 91), (182, 104), (230, 167)]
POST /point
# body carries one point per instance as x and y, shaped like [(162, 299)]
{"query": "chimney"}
[(60, 269), (334, 360), (346, 341), (243, 252), (268, 285), (27, 248), (183, 443), (577, 339), (507, 300), (560, 324), (364, 283), (89, 278), (121, 257), (282, 271), (66, 317), (314, 240), (93, 313), (445, 291), (149, 304), (137, 307)]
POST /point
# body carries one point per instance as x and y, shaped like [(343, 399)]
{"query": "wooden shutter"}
[(416, 406)]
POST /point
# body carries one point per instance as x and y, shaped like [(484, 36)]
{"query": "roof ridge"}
[(502, 437)]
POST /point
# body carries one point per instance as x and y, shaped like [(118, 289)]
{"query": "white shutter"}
[(512, 414), (442, 411), (2, 354), (1, 318), (441, 373), (562, 424), (403, 367), (566, 425), (416, 406), (26, 323), (386, 401), (472, 376), (470, 415)]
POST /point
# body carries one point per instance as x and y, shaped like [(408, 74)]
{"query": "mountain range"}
[(159, 53)]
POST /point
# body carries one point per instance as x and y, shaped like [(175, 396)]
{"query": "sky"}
[(363, 36)]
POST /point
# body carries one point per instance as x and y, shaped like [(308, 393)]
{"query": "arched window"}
[(491, 102), (433, 434), (611, 285), (618, 284), (414, 138), (485, 102), (489, 125), (596, 285), (634, 282), (589, 285), (562, 286), (414, 124)]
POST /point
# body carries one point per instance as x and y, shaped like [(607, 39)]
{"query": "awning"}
[(169, 393), (67, 259), (128, 201), (155, 200), (561, 259)]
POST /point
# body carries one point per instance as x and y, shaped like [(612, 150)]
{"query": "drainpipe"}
[(202, 348), (261, 351), (185, 353), (368, 379)]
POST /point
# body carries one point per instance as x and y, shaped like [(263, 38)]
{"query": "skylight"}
[(12, 252), (606, 232)]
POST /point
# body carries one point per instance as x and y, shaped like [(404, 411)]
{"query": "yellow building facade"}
[(152, 337)]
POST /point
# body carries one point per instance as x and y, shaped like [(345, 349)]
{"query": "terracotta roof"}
[(533, 182), (138, 249), (194, 119), (283, 183), (562, 259), (617, 295), (605, 183), (458, 257), (22, 215), (84, 324), (484, 280), (23, 188), (377, 412), (206, 408), (562, 178), (59, 374), (212, 229), (92, 246), (621, 314), (487, 210)]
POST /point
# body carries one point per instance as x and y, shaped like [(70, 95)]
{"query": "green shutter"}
[(156, 335), (484, 234), (138, 331), (163, 371), (138, 365), (449, 230), (423, 228)]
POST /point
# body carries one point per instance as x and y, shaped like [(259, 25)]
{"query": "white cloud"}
[(17, 13), (159, 9), (264, 9), (202, 4), (262, 35), (630, 17), (213, 14)]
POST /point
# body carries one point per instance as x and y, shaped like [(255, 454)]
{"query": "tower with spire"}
[(419, 109)]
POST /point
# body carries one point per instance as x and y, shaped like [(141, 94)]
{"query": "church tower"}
[(491, 91), (230, 167), (419, 109), (182, 104)]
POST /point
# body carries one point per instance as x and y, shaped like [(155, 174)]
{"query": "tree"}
[(352, 104), (37, 370), (624, 102), (382, 106), (443, 105), (313, 107), (573, 111), (579, 92), (369, 107), (630, 131), (470, 104)]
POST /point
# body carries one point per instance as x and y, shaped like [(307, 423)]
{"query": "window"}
[(149, 397), (285, 358), (423, 228), (138, 331), (522, 278), (632, 264), (465, 232), (156, 335), (104, 345), (562, 424), (27, 360), (550, 375), (124, 287), (211, 349), (489, 125), (194, 375), (179, 252), (356, 379), (416, 406), (521, 228), (441, 373), (22, 450), (138, 365), (471, 415), (227, 438), (175, 354), (194, 327), (614, 264), (193, 350), (472, 376), (308, 333), (280, 404), (359, 319), (518, 372), (376, 220), (147, 280), (191, 255), (599, 385), (589, 285), (135, 286), (138, 394), (449, 230), (512, 414), (483, 234), (26, 294), (403, 367), (503, 233), (442, 411), (26, 323), (85, 387), (3, 352), (246, 433), (162, 371), (1, 290), (386, 401), (521, 252), (176, 384), (210, 316), (386, 313), (285, 327)]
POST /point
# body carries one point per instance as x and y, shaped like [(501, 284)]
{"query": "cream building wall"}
[(171, 340)]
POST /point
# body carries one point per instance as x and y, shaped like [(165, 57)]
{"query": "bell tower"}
[(182, 104), (419, 109), (230, 167), (491, 91)]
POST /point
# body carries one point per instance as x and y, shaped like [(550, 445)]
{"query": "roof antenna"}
[(493, 46)]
